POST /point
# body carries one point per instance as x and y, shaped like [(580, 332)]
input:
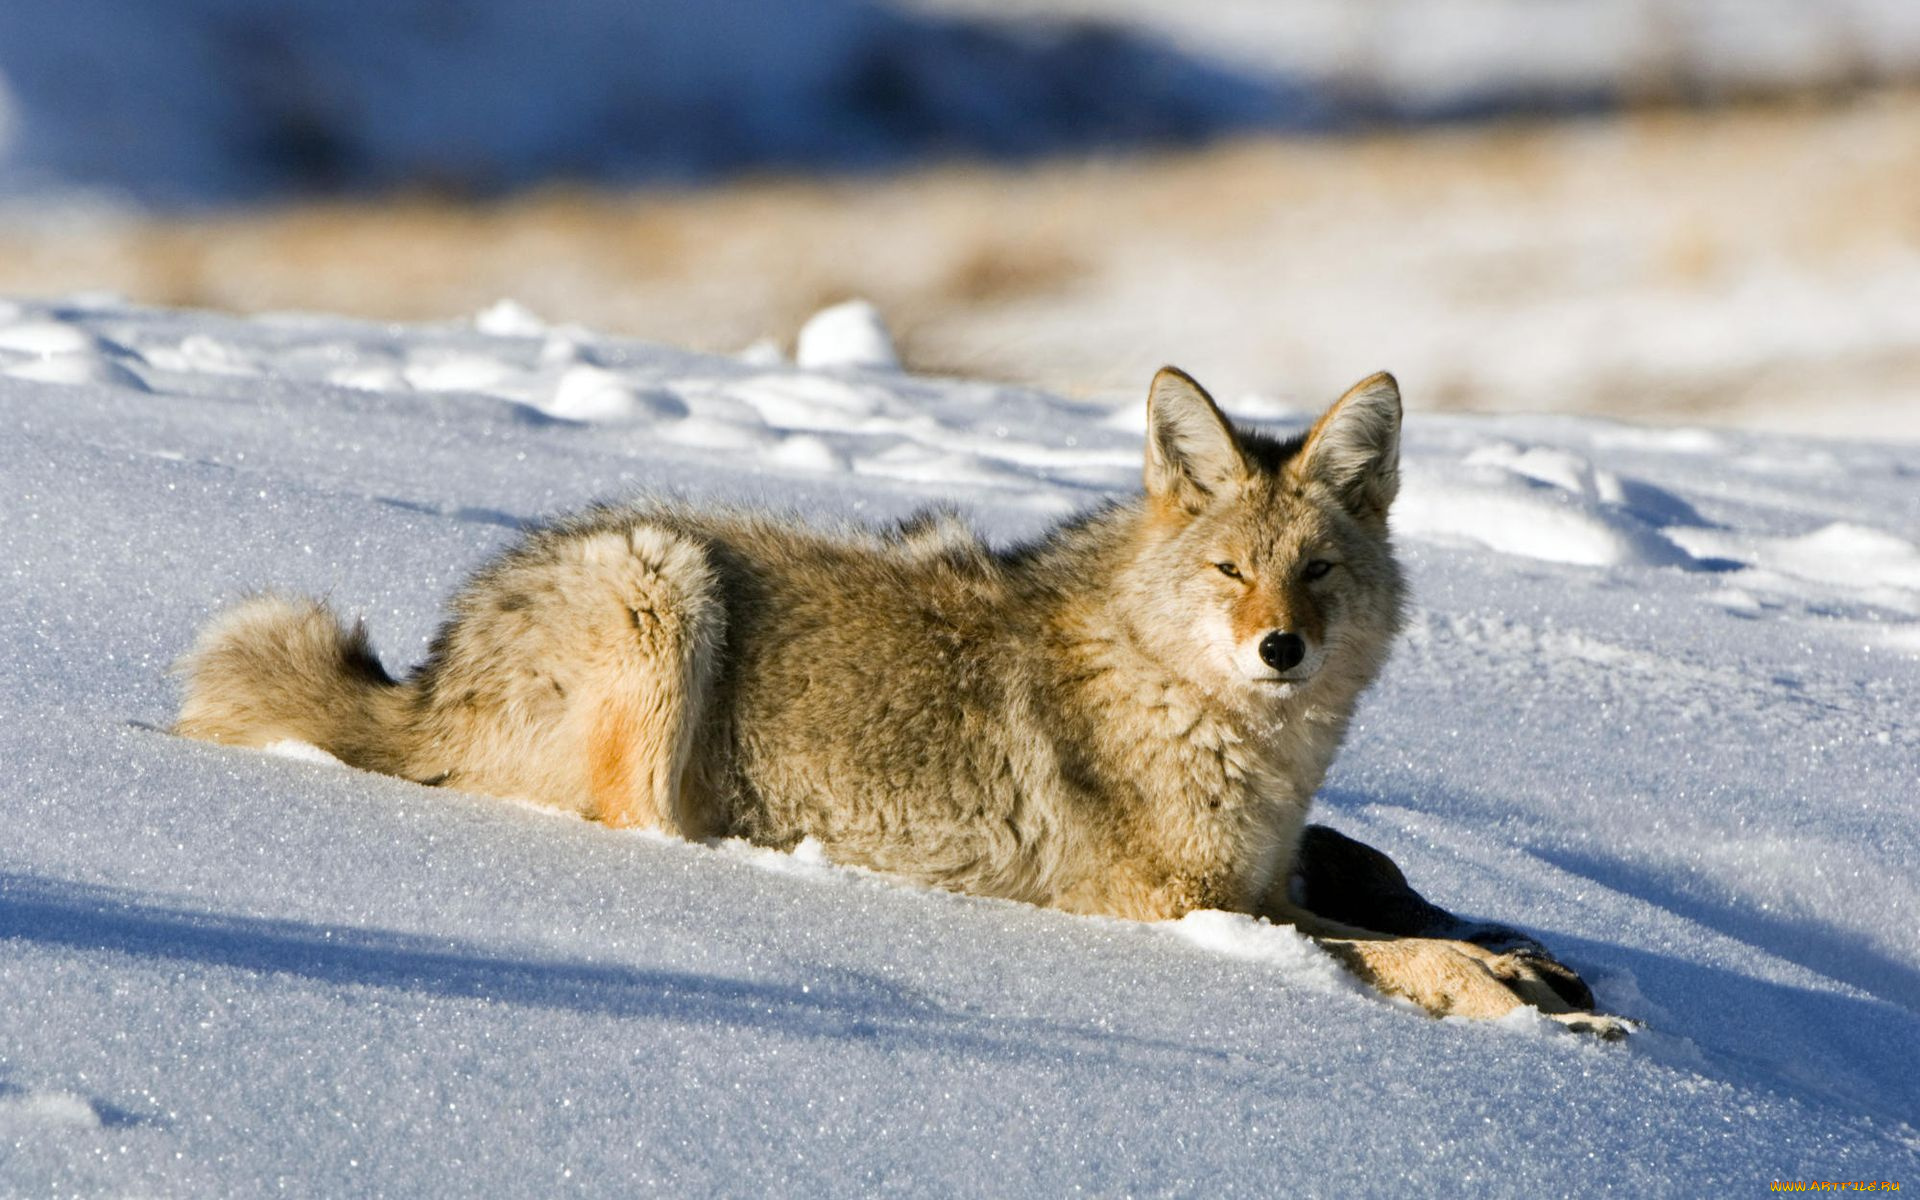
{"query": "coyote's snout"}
[(1127, 716), (1283, 651)]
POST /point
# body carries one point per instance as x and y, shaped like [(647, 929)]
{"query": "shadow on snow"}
[(847, 1005)]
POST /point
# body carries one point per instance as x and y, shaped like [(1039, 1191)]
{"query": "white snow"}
[(22, 1112), (77, 368), (1445, 54), (1656, 704), (848, 334), (46, 338), (509, 318), (1235, 935), (302, 752)]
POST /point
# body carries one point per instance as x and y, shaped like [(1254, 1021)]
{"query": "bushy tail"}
[(272, 668)]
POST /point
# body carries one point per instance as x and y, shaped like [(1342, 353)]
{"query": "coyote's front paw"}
[(1541, 968), (1461, 979), (1600, 1025)]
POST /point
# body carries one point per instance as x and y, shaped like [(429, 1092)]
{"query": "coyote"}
[(1128, 716)]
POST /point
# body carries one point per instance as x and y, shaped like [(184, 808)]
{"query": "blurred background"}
[(1679, 211)]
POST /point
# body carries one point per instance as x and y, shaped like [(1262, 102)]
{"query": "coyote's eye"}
[(1316, 569), (1228, 569)]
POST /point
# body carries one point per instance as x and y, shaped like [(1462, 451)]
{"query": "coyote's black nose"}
[(1282, 651)]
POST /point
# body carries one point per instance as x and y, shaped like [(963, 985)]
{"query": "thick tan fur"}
[(1097, 721)]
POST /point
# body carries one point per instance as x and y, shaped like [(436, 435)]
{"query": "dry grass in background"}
[(1757, 267)]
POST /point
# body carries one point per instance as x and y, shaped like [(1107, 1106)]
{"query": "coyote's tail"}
[(273, 668)]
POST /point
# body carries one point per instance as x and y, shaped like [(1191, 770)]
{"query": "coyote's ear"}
[(1191, 453), (1354, 448)]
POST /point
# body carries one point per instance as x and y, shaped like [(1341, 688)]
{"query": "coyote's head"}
[(1264, 566)]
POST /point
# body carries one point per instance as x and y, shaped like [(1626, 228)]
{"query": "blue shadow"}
[(845, 1005)]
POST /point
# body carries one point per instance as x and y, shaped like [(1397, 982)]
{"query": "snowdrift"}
[(1656, 705)]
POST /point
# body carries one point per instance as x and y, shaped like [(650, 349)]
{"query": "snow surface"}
[(1656, 704)]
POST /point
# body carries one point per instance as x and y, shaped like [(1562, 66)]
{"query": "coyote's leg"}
[(575, 674), (1339, 879), (656, 652), (1448, 978), (1423, 957)]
